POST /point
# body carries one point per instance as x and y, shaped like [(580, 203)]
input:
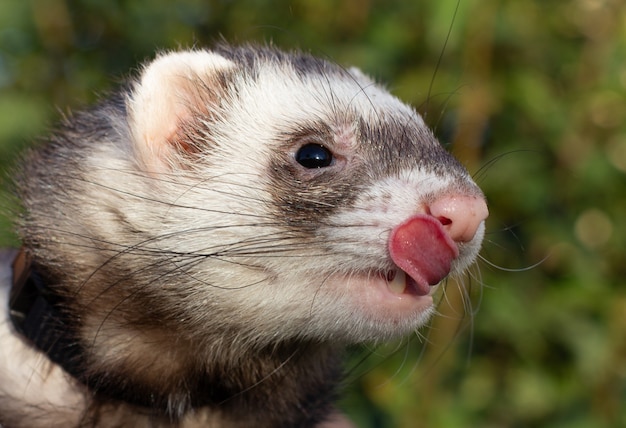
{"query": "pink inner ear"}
[(171, 137), (158, 121), (164, 119), (422, 249)]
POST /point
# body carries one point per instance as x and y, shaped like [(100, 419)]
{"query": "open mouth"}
[(423, 253), (398, 297), (399, 283)]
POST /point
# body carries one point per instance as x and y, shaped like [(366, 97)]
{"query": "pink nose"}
[(460, 215)]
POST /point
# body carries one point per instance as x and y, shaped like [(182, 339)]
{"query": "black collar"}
[(35, 313)]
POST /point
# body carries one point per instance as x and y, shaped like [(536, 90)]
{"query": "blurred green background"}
[(530, 94)]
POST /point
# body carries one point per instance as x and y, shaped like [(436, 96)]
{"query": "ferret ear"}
[(172, 91)]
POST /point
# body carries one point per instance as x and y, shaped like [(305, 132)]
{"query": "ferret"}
[(201, 246)]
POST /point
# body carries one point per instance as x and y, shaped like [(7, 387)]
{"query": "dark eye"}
[(314, 156)]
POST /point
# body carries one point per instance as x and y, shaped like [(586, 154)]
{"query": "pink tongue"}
[(423, 250)]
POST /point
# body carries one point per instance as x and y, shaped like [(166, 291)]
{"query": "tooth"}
[(398, 282)]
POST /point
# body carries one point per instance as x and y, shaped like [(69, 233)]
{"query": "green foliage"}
[(530, 94)]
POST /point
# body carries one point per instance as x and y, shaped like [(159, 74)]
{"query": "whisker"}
[(524, 269)]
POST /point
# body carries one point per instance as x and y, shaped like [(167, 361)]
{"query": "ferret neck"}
[(38, 314), (35, 314)]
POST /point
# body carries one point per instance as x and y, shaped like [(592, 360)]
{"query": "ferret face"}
[(270, 196), (319, 205)]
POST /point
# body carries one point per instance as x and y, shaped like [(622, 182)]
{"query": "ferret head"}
[(253, 196)]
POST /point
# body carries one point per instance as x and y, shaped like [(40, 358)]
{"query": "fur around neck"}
[(35, 392)]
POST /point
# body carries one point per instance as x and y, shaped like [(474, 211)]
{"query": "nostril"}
[(445, 221)]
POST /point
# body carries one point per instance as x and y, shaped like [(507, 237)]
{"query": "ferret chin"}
[(199, 247)]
